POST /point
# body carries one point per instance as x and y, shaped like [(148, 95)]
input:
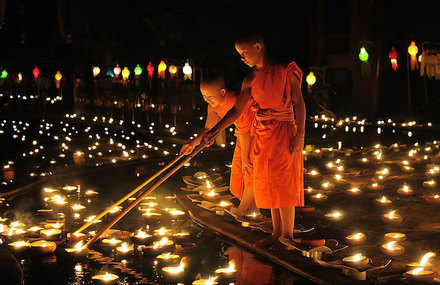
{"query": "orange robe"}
[(278, 174), (242, 125)]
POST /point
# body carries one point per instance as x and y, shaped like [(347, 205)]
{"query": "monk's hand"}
[(209, 136), (187, 149), (247, 166), (297, 144)]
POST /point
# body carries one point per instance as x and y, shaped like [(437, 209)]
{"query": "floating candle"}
[(420, 275), (398, 237), (423, 262), (318, 197), (167, 259), (111, 242), (51, 234), (334, 216), (44, 247), (327, 185), (76, 237), (405, 190), (161, 232), (211, 196), (392, 249), (376, 186), (209, 281), (225, 204), (173, 273), (355, 239), (383, 201), (354, 191), (107, 278), (429, 184), (392, 218), (142, 237), (433, 198), (356, 260), (314, 173), (124, 249)]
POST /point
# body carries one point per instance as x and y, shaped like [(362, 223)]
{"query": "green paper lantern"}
[(363, 55), (138, 70), (4, 74)]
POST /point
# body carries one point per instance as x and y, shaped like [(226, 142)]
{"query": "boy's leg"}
[(276, 233), (287, 221)]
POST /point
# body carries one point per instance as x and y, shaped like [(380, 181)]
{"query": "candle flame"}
[(212, 193), (358, 235), (208, 184), (107, 277), (78, 246), (357, 257), (383, 200), (391, 214), (391, 245), (426, 257), (417, 271)]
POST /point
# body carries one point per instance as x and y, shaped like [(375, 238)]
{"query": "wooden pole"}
[(134, 191), (143, 195)]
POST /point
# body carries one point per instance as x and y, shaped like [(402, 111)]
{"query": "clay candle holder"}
[(143, 238), (429, 184), (397, 237), (357, 260), (173, 274), (227, 273), (105, 279), (383, 201), (422, 263), (376, 186), (420, 275), (392, 249), (124, 250), (319, 197), (77, 250), (43, 247), (392, 218), (211, 196), (180, 237), (51, 234), (405, 190), (19, 247), (354, 191), (162, 232), (355, 239), (433, 199), (167, 259), (76, 237), (158, 247)]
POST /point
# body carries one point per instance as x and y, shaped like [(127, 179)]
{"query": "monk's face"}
[(213, 94), (250, 54)]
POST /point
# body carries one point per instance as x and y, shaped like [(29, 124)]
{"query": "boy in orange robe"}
[(279, 135), (219, 102)]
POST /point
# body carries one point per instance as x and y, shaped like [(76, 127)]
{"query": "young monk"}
[(219, 102), (279, 135)]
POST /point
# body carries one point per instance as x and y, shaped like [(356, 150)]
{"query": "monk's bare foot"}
[(277, 246), (269, 241), (237, 212)]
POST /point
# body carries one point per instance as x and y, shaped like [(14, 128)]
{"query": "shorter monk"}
[(220, 100)]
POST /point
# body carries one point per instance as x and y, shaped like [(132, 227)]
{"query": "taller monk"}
[(279, 135)]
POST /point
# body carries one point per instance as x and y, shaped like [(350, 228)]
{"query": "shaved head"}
[(213, 89), (250, 38)]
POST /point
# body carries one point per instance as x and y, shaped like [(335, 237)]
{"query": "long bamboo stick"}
[(134, 191), (143, 195)]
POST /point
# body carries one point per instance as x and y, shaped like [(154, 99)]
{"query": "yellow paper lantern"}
[(311, 78), (125, 73), (58, 76), (413, 50), (161, 69), (96, 70)]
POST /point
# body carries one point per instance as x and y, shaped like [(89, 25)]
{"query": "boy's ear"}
[(223, 91), (257, 46)]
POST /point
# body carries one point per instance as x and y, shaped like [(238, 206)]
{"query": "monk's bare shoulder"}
[(247, 80)]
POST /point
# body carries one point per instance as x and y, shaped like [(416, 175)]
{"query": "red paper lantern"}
[(150, 70), (393, 57), (36, 72)]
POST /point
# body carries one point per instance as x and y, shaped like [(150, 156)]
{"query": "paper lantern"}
[(161, 70), (4, 74), (19, 77), (125, 73), (110, 73), (150, 70), (311, 79), (413, 50), (187, 71), (58, 78), (172, 70), (117, 70), (393, 57), (36, 72), (138, 70), (96, 70), (363, 54)]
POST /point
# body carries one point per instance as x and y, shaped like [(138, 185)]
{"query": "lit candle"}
[(318, 197), (226, 273), (383, 201), (176, 214), (354, 191), (161, 232), (334, 216), (51, 234), (392, 249), (420, 275), (174, 273), (106, 278), (76, 237), (151, 217), (78, 207), (70, 188), (392, 218), (355, 239), (356, 260), (181, 236), (209, 281), (375, 186), (159, 246), (20, 247), (314, 173), (142, 237), (433, 198), (167, 259), (327, 185), (405, 190), (91, 193), (397, 237), (384, 172), (124, 249), (429, 184), (111, 242), (77, 250), (225, 204), (211, 196), (423, 262), (43, 246)]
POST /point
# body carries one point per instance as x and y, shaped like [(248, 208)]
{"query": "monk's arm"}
[(233, 113), (245, 146), (300, 106)]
